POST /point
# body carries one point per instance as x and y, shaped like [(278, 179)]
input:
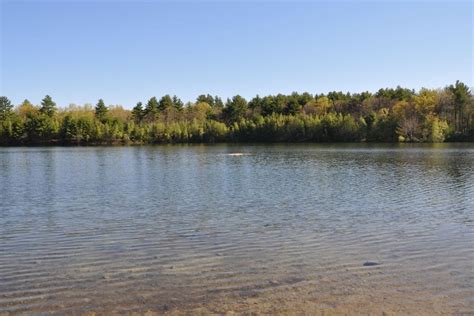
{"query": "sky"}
[(127, 51)]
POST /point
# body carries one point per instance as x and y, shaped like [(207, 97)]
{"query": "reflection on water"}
[(218, 228)]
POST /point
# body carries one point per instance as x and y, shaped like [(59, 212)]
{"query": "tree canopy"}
[(5, 107), (388, 115)]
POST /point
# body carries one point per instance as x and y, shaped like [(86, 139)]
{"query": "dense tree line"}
[(389, 115)]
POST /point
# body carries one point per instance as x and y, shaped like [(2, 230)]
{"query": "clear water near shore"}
[(217, 228)]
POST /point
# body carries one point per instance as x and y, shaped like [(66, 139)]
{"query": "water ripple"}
[(117, 230)]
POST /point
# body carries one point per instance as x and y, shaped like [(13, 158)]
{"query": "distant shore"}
[(389, 115)]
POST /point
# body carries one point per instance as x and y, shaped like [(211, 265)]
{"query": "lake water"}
[(221, 228)]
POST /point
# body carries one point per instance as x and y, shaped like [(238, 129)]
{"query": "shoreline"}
[(135, 144)]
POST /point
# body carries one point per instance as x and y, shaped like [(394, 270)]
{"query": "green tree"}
[(205, 98), (235, 109), (151, 109), (5, 108), (177, 103), (255, 103), (293, 105), (48, 106), (138, 112), (390, 115), (42, 128), (166, 102), (101, 110), (214, 102), (218, 103), (273, 104), (462, 96)]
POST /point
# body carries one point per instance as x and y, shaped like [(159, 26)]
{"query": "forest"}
[(389, 115)]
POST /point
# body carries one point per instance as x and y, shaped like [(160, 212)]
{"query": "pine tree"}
[(462, 95), (137, 112), (177, 103), (101, 110), (235, 108), (206, 99), (218, 103), (151, 109), (48, 106), (165, 103)]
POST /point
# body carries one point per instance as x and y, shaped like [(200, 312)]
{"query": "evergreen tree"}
[(177, 103), (165, 103), (389, 115), (462, 96), (256, 102), (205, 99), (293, 106), (48, 106), (138, 112), (218, 102), (101, 110), (151, 109), (235, 109)]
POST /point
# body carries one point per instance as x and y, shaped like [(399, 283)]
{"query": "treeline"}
[(389, 115)]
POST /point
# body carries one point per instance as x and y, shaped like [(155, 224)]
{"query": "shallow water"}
[(264, 228)]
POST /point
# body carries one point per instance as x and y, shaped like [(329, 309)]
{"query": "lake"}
[(237, 228)]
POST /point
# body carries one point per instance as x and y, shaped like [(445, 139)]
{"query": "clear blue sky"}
[(128, 51)]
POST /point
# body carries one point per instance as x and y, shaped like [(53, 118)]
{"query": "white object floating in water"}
[(236, 154)]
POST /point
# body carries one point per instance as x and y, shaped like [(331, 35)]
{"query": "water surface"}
[(212, 229)]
